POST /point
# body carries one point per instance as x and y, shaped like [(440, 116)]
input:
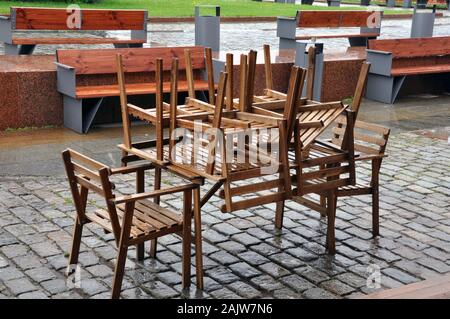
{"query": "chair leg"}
[(331, 218), (375, 212), (153, 248), (76, 241), (119, 271), (198, 239), (157, 186), (186, 237), (123, 248), (140, 251), (279, 214)]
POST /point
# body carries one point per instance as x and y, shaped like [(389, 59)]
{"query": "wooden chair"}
[(230, 127), (321, 168), (132, 219), (370, 145), (157, 151)]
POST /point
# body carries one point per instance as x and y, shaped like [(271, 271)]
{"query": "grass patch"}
[(185, 8)]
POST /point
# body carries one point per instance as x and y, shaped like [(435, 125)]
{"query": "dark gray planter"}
[(310, 2), (365, 2)]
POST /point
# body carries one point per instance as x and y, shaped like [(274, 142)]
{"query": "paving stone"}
[(92, 286), (337, 287), (226, 229), (224, 293), (253, 258), (9, 273), (245, 239), (314, 275), (399, 275), (100, 271), (45, 249), (297, 283), (40, 274), (244, 290), (12, 251), (434, 264), (318, 293), (33, 295), (55, 286), (286, 260), (352, 279), (244, 270), (160, 290), (3, 262), (223, 257), (232, 247), (274, 269), (267, 283), (223, 275), (286, 293), (20, 285)]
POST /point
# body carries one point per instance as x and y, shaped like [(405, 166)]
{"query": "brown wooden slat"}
[(416, 47), (336, 35), (91, 19), (103, 61), (328, 18), (415, 70), (133, 89), (48, 41)]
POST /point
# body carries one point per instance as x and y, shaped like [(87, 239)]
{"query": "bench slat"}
[(44, 41), (416, 47), (83, 92), (333, 18), (134, 60), (91, 19), (330, 36), (415, 70)]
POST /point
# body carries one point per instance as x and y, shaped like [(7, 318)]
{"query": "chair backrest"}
[(336, 18), (135, 60), (369, 138), (84, 175), (296, 82), (411, 48), (127, 109), (360, 87), (87, 19)]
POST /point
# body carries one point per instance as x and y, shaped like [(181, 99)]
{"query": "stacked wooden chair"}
[(132, 219)]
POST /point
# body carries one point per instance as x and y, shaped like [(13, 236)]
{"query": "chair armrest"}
[(156, 193), (64, 66), (131, 169)]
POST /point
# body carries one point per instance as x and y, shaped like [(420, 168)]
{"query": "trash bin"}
[(207, 28), (390, 3), (423, 23), (334, 3), (407, 3)]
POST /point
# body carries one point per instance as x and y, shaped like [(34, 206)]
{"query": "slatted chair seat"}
[(149, 220), (132, 219)]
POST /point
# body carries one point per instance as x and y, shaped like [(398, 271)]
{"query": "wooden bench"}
[(51, 19), (369, 23), (394, 59), (87, 77), (434, 288)]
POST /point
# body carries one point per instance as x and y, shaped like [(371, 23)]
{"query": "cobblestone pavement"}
[(244, 256)]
